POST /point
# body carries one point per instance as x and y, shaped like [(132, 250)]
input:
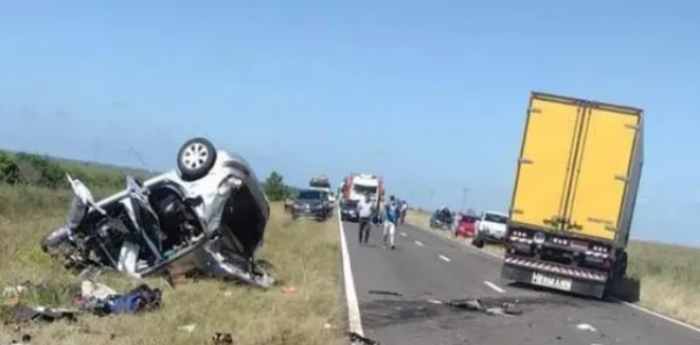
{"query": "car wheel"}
[(195, 159), (478, 242)]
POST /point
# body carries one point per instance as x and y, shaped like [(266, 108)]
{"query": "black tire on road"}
[(195, 159)]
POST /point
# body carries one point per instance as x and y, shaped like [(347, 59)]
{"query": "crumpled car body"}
[(210, 212)]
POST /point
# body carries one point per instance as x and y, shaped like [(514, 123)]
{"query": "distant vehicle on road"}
[(466, 226), (322, 183), (311, 203), (491, 227), (442, 218), (575, 190), (348, 211), (357, 186)]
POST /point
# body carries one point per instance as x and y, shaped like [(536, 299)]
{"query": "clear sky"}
[(429, 94)]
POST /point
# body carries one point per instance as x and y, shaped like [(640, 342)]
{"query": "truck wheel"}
[(195, 159), (608, 290)]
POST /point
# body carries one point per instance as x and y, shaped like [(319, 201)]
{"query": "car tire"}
[(478, 242), (195, 159)]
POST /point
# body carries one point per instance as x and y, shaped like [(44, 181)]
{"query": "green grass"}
[(305, 255), (669, 275)]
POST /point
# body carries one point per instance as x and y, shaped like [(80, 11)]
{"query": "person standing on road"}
[(403, 211), (391, 214), (365, 210)]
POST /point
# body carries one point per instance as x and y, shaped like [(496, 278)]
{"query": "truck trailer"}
[(574, 195)]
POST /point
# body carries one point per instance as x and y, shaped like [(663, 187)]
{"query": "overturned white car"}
[(211, 212)]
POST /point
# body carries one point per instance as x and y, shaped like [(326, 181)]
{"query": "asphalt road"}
[(397, 290)]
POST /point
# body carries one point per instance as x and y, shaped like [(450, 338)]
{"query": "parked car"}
[(311, 203), (491, 227), (348, 211), (466, 226), (442, 218), (210, 211)]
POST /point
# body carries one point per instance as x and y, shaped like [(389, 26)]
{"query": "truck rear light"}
[(519, 234), (599, 249), (560, 241)]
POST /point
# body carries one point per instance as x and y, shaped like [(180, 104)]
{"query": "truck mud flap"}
[(553, 281)]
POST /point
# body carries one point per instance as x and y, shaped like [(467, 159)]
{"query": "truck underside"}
[(562, 262)]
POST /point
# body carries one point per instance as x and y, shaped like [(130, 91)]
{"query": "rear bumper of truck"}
[(554, 276)]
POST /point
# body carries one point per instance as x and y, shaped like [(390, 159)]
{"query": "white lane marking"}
[(354, 321), (444, 258), (494, 286), (631, 305), (403, 234), (419, 243)]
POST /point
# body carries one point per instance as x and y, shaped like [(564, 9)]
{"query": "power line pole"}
[(465, 191)]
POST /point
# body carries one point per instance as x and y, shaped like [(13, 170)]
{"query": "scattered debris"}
[(26, 339), (356, 339), (585, 327), (187, 328), (222, 339), (289, 291), (385, 293), (505, 309), (11, 302), (180, 274), (21, 315), (471, 305), (14, 291)]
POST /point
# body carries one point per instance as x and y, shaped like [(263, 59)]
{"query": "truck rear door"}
[(605, 158), (547, 154)]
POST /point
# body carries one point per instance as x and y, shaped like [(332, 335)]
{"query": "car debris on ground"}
[(504, 309), (357, 339), (222, 339)]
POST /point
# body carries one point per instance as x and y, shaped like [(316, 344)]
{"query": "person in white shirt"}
[(391, 215), (365, 210)]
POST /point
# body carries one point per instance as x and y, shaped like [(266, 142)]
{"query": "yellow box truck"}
[(573, 200)]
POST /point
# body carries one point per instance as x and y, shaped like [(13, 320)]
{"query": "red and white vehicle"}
[(356, 186), (466, 227)]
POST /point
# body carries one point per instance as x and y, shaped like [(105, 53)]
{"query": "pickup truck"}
[(574, 196)]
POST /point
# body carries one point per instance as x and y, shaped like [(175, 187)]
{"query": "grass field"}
[(669, 276), (305, 256)]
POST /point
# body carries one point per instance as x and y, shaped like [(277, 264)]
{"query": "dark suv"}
[(313, 204)]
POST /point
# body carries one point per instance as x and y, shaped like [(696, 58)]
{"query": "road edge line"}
[(354, 320), (628, 304)]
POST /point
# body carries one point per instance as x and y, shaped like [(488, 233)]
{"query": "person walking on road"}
[(391, 215), (365, 210), (403, 210)]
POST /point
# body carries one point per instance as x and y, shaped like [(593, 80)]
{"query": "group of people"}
[(388, 214)]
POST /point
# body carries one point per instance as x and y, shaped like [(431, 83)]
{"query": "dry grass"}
[(305, 255), (668, 275)]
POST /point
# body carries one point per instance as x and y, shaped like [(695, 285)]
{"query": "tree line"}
[(41, 170)]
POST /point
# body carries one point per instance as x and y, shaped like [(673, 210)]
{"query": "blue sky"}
[(429, 94)]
